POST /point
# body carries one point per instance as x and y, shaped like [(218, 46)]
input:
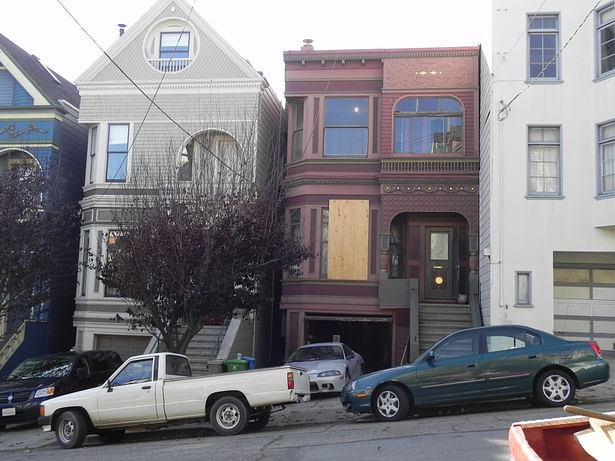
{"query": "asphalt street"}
[(327, 412)]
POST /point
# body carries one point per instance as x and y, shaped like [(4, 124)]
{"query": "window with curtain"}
[(606, 147), (544, 175)]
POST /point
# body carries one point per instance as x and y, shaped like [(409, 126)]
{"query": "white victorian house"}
[(548, 169), (172, 90)]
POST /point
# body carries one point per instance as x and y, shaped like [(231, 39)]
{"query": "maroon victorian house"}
[(383, 164)]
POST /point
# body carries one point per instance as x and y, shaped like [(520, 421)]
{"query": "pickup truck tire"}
[(111, 436), (257, 422), (71, 429), (229, 415)]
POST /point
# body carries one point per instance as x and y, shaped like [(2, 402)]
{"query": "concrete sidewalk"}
[(320, 410)]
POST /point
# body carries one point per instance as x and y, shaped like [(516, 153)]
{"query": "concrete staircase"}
[(204, 347), (438, 320)]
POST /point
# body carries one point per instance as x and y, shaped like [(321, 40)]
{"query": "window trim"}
[(598, 28), (366, 127), (449, 115), (324, 243), (534, 194), (600, 143), (298, 124), (531, 17), (518, 301), (126, 153)]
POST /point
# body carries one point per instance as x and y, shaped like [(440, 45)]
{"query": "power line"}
[(152, 101), (505, 110)]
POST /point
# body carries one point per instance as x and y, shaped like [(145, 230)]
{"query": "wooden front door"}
[(439, 267)]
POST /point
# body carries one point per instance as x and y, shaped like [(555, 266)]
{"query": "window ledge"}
[(544, 81), (604, 76), (524, 306), (545, 197), (606, 196)]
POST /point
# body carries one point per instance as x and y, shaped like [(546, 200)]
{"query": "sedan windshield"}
[(306, 354), (42, 367)]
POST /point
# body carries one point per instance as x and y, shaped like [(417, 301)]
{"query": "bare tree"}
[(39, 233), (198, 236)]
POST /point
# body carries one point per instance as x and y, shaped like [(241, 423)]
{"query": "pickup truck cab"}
[(157, 389)]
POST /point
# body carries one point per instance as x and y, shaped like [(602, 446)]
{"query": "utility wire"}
[(152, 101), (505, 109)]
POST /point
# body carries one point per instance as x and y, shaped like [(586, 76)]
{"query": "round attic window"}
[(171, 45)]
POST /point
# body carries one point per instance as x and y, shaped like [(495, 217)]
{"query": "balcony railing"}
[(170, 64), (429, 166)]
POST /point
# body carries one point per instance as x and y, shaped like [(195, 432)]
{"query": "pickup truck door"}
[(131, 396)]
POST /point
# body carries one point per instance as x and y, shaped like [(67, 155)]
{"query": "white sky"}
[(259, 30)]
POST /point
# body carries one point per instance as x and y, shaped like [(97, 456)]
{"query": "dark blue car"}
[(40, 378)]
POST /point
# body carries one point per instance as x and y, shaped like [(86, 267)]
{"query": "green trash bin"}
[(235, 365)]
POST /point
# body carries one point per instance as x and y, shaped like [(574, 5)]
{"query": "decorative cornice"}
[(151, 86), (371, 55), (332, 182), (12, 132), (430, 188)]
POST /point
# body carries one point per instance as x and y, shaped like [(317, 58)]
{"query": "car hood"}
[(21, 385), (376, 377), (316, 366)]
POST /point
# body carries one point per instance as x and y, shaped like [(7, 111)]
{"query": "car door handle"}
[(146, 387), (531, 357), (472, 365)]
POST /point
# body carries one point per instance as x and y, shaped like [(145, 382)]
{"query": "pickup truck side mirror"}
[(109, 386)]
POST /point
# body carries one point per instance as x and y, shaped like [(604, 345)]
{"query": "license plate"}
[(8, 412)]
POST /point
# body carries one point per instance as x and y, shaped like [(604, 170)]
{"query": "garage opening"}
[(369, 336)]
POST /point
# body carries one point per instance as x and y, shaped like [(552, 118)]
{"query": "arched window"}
[(428, 126), (208, 156)]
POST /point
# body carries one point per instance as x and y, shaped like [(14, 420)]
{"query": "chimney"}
[(307, 45), (122, 28)]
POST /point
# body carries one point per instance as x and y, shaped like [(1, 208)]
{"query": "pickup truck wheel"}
[(71, 429), (111, 436), (229, 415), (257, 422)]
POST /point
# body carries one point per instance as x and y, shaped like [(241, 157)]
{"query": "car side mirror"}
[(82, 372), (109, 385), (431, 356)]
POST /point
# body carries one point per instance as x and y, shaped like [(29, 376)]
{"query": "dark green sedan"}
[(479, 364)]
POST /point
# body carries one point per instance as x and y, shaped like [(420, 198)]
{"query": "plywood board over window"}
[(348, 239)]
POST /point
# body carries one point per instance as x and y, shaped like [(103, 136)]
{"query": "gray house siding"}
[(485, 187)]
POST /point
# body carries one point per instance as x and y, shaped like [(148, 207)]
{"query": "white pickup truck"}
[(154, 390)]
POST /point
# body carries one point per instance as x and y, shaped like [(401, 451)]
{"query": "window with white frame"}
[(606, 40), (543, 46), (606, 148), (93, 149), (117, 153), (428, 126), (171, 45), (114, 246), (544, 175), (346, 126), (523, 288)]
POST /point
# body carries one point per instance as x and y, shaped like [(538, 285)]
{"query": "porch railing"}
[(440, 165)]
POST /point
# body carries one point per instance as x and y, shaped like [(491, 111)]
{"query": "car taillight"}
[(596, 349), (290, 380)]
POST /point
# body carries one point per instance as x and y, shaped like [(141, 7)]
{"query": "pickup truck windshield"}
[(42, 367)]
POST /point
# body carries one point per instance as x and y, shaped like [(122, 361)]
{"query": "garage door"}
[(124, 345)]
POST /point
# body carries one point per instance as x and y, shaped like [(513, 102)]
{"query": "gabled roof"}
[(146, 21), (52, 85)]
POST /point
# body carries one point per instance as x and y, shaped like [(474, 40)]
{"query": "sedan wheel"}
[(555, 388), (391, 403)]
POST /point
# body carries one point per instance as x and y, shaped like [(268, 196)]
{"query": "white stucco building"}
[(548, 169), (175, 93)]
